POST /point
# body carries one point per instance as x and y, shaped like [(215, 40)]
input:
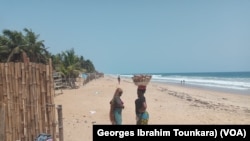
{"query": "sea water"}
[(229, 81)]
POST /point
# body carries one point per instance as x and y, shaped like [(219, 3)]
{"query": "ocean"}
[(225, 81)]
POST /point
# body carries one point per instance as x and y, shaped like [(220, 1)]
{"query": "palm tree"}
[(3, 49), (69, 65), (56, 61), (88, 65), (35, 49), (13, 43)]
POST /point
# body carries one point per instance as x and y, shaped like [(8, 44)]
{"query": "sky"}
[(140, 36)]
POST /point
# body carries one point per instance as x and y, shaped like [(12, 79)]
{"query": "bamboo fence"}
[(27, 95)]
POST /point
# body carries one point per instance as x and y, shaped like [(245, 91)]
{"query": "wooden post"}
[(2, 123), (60, 122)]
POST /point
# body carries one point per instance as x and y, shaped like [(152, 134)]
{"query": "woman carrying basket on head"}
[(142, 116)]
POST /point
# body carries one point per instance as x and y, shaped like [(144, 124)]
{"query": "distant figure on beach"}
[(116, 107), (142, 115), (119, 79), (182, 82)]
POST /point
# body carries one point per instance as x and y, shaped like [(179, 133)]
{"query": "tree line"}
[(13, 44)]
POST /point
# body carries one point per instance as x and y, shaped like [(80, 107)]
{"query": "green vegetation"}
[(13, 44)]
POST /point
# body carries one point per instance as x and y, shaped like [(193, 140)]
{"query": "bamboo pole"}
[(4, 90), (52, 94), (2, 123), (8, 121), (12, 104), (60, 122), (17, 98), (2, 105), (38, 79), (48, 111), (28, 103), (36, 100), (33, 101), (23, 99), (43, 99), (1, 82)]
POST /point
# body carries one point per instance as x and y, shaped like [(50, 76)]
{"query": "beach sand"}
[(167, 104)]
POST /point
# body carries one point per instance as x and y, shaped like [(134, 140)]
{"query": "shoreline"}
[(215, 89), (167, 104), (186, 84)]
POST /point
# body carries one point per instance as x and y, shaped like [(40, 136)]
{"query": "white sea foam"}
[(208, 80)]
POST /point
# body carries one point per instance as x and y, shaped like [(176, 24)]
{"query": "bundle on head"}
[(141, 80)]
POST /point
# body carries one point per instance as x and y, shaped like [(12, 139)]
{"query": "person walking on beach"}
[(119, 79), (116, 107), (142, 116)]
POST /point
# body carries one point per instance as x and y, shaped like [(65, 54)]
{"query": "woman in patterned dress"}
[(142, 116)]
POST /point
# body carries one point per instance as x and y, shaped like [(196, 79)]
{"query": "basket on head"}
[(141, 80)]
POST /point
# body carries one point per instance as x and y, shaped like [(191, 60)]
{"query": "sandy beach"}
[(167, 104)]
